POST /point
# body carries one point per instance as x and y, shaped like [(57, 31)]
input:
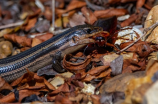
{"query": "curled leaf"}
[(75, 67)]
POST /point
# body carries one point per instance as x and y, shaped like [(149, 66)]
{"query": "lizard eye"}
[(88, 31)]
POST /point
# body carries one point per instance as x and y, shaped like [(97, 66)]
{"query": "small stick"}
[(11, 25), (145, 32), (52, 28)]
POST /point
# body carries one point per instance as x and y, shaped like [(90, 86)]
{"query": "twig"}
[(12, 25), (52, 28), (145, 32)]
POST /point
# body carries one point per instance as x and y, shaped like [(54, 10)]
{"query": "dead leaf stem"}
[(11, 25)]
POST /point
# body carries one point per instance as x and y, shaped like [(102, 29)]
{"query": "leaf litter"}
[(95, 74)]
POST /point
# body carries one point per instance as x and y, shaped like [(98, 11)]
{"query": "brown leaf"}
[(64, 88), (119, 82), (80, 97), (6, 48), (35, 42), (48, 13), (130, 20), (50, 86), (97, 70), (101, 75), (75, 67), (76, 19), (25, 93), (8, 99), (4, 85), (31, 20), (152, 67), (130, 65), (90, 17), (139, 93), (45, 37), (134, 84), (141, 48), (95, 99), (21, 40), (23, 79), (62, 100), (140, 3), (24, 49), (110, 13), (30, 24), (74, 4), (104, 74)]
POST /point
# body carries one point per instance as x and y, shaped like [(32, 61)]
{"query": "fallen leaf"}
[(130, 20), (150, 20), (25, 93), (74, 4), (95, 99), (116, 65), (8, 99), (119, 82), (75, 67), (21, 40), (141, 48), (4, 85), (42, 26), (90, 17), (110, 13), (139, 93), (133, 84), (96, 71), (45, 37), (152, 67), (76, 19), (57, 81), (62, 100), (35, 41), (6, 48), (80, 98)]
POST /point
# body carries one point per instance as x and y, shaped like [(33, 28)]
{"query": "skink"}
[(39, 56)]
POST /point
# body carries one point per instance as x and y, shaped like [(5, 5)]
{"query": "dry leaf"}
[(110, 13), (130, 20), (75, 67), (4, 85), (150, 20), (76, 19), (90, 17), (97, 70), (8, 99), (21, 40), (45, 37), (119, 83), (75, 4), (133, 84), (6, 48), (35, 42)]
